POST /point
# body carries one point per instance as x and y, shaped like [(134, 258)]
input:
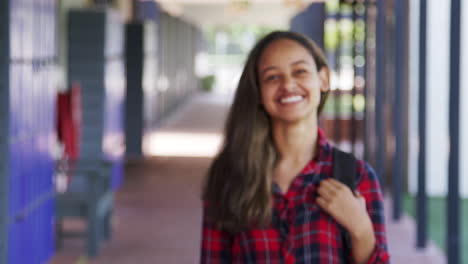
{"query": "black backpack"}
[(343, 164), (344, 170)]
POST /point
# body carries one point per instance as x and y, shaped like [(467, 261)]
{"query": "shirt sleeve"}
[(215, 243), (369, 187)]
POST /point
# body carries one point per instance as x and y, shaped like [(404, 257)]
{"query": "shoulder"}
[(367, 178), (369, 188)]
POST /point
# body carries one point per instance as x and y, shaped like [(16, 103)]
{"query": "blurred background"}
[(111, 111)]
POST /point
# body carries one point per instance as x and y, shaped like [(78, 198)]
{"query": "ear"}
[(324, 75)]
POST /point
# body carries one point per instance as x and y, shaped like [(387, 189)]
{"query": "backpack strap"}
[(344, 168)]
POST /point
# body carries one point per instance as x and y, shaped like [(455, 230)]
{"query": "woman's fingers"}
[(326, 190), (330, 188), (324, 204), (346, 207), (321, 202), (335, 183), (361, 199)]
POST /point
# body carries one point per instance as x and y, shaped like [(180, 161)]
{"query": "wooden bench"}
[(89, 196)]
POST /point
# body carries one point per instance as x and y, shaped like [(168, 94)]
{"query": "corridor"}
[(158, 213), (140, 90)]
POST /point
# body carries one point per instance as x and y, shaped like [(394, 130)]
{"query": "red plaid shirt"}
[(300, 231)]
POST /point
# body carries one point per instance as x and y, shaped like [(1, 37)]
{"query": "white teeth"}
[(291, 99)]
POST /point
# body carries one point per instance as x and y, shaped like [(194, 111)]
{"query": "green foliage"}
[(208, 83)]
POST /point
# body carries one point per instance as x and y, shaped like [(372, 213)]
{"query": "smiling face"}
[(290, 83)]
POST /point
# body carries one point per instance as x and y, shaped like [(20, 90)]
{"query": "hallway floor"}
[(157, 216)]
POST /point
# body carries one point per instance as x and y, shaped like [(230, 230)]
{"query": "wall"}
[(310, 22), (30, 135)]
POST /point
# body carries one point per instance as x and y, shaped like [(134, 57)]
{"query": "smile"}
[(291, 99)]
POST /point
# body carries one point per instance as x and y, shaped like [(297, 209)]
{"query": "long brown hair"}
[(239, 182)]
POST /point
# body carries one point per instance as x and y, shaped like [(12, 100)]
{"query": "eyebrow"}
[(300, 61), (273, 67)]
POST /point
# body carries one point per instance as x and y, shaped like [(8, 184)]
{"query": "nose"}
[(288, 83)]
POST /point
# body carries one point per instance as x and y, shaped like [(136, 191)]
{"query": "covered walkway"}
[(99, 80), (158, 213)]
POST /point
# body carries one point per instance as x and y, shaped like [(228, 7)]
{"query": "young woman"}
[(269, 196)]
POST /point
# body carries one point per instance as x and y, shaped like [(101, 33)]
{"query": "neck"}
[(295, 142)]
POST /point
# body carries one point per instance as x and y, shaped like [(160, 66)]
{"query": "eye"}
[(300, 71), (272, 77)]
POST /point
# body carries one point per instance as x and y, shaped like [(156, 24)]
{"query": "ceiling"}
[(273, 13)]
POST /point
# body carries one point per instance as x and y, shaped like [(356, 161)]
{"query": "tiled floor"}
[(157, 216)]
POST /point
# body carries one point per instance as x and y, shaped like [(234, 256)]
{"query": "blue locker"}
[(31, 117)]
